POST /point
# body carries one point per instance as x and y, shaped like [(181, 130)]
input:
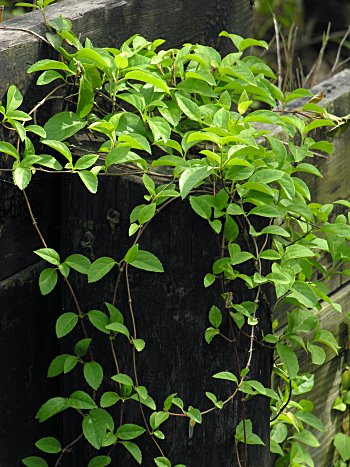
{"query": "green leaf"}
[(139, 344), (200, 205), (275, 230), (47, 64), (146, 213), (226, 375), (80, 400), (288, 358), (99, 320), (7, 148), (63, 125), (160, 128), (209, 279), (47, 77), (297, 251), (49, 255), (22, 177), (342, 445), (306, 437), (93, 373), (100, 461), (265, 211), (149, 78), (119, 328), (215, 316), (95, 427), (129, 431), (188, 107), (66, 323), (162, 462), (244, 433), (317, 124), (47, 280), (35, 461), (147, 261), (131, 254), (210, 333), (89, 179), (100, 268), (79, 263), (86, 98), (49, 445), (109, 398), (318, 355), (51, 407), (297, 94), (134, 450), (192, 177), (70, 363), (59, 147), (13, 99), (123, 379), (57, 365), (136, 141), (85, 162)]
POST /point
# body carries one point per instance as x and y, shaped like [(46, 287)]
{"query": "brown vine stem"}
[(132, 314), (43, 241), (67, 449), (34, 222), (42, 102), (38, 36)]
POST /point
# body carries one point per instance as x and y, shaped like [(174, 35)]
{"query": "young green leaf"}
[(228, 376), (80, 400), (51, 407), (79, 263), (63, 125), (129, 431), (191, 177), (35, 461), (288, 358), (162, 462), (215, 316), (109, 398), (95, 427), (147, 261), (66, 323), (100, 461), (149, 78), (123, 379), (89, 179), (49, 255), (21, 177), (134, 450), (342, 445), (93, 373), (47, 280), (99, 320), (49, 445), (100, 268)]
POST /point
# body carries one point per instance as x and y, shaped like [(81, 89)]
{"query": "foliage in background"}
[(196, 109)]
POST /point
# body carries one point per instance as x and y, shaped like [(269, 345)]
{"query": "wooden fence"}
[(74, 221)]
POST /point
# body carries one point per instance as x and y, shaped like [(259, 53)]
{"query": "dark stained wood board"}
[(171, 313), (27, 346)]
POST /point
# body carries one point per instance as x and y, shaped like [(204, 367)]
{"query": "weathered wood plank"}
[(109, 22), (27, 347)]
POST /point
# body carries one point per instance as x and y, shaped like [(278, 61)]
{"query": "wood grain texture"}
[(109, 22), (171, 313), (27, 346)]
